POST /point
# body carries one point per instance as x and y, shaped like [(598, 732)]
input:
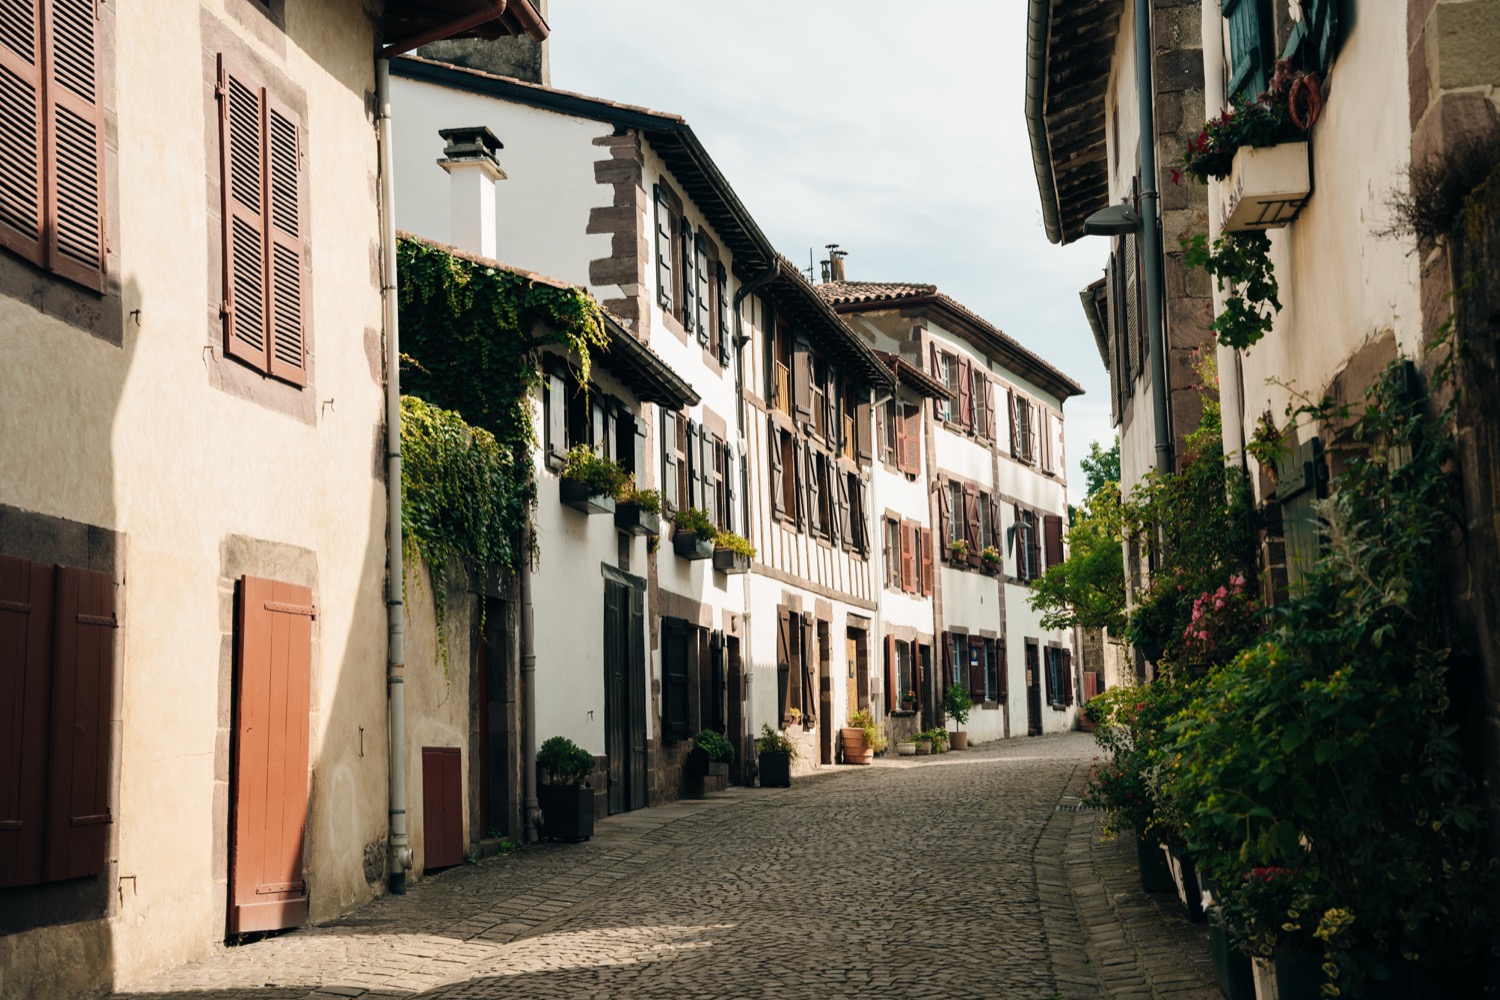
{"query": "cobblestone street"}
[(968, 875)]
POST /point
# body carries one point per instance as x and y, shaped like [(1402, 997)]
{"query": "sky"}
[(894, 129)]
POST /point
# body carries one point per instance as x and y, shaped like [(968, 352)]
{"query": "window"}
[(859, 523), (981, 388), (1059, 668), (891, 431), (986, 530), (994, 687), (957, 523), (796, 683), (1027, 546), (52, 139), (261, 159), (57, 635), (664, 278), (1022, 436), (822, 466), (906, 676), (948, 373), (781, 367), (958, 660), (721, 482), (784, 459), (893, 553)]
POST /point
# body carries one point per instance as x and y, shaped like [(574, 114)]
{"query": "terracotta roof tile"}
[(859, 292)]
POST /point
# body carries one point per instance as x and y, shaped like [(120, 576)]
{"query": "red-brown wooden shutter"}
[(1067, 672), (21, 160), (900, 427), (864, 431), (75, 130), (971, 521), (937, 373), (82, 701), (288, 354), (926, 537), (1052, 529), (892, 696), (1046, 667), (442, 807), (1002, 670), (268, 890), (913, 419), (966, 394), (976, 677), (989, 409), (945, 513), (1015, 431), (27, 593), (802, 382), (809, 671), (908, 556), (242, 117), (784, 663)]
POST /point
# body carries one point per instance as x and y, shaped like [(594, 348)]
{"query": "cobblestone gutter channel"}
[(967, 875)]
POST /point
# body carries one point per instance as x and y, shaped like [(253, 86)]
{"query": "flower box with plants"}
[(711, 755), (638, 512), (958, 550), (990, 559), (774, 757), (861, 739), (957, 703), (589, 482), (693, 536), (732, 553), (908, 701), (565, 797)]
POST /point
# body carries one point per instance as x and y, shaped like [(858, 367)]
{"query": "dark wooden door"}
[(442, 808), (273, 677), (1033, 692), (492, 703), (635, 692), (616, 694), (735, 682)]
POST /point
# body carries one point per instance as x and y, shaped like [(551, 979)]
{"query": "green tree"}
[(1101, 467), (1088, 588)]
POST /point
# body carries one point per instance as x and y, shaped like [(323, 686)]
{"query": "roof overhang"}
[(1070, 46), (1092, 298), (796, 298), (406, 24), (915, 378), (642, 370)]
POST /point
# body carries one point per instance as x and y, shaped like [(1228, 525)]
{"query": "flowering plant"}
[(1286, 110), (1223, 622)]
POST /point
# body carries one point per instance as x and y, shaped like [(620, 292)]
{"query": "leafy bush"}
[(602, 476), (958, 704), (737, 544), (774, 741), (716, 745), (694, 520), (647, 500), (864, 721), (565, 762)]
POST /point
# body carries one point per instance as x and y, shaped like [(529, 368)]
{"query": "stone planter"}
[(576, 495), (1155, 875), (924, 748), (1266, 187), (959, 740), (692, 546), (632, 519), (906, 749), (567, 811), (775, 769), (727, 561), (855, 749)]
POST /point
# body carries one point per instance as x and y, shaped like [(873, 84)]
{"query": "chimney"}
[(469, 157), (836, 262)]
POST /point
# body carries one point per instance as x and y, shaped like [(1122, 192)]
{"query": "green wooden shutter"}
[(663, 249), (1249, 70)]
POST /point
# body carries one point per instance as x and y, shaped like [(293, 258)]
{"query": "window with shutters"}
[(957, 524), (948, 374), (664, 239), (787, 449), (890, 430), (1025, 545), (906, 676), (260, 151), (981, 404), (958, 661), (1025, 439), (1059, 684), (704, 321), (892, 553), (721, 474), (986, 529), (52, 138)]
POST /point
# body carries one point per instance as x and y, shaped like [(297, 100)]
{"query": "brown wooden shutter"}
[(799, 484), (1001, 670), (27, 595), (802, 382), (1045, 658), (814, 494), (784, 664), (945, 513), (288, 355), (966, 394), (270, 760), (971, 521), (809, 676), (442, 808), (913, 417), (778, 484), (892, 696), (900, 422), (908, 557), (1052, 529), (82, 702), (924, 568), (676, 639), (1015, 430), (75, 130), (976, 677), (937, 373), (1067, 672), (989, 409), (864, 432), (21, 130), (994, 515), (842, 526), (242, 146)]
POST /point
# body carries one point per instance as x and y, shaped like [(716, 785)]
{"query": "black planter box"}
[(775, 769), (1231, 967), (1156, 875), (632, 519), (576, 495), (727, 561), (567, 811), (1188, 893), (690, 545)]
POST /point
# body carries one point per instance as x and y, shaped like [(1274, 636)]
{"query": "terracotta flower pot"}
[(959, 740), (855, 749)]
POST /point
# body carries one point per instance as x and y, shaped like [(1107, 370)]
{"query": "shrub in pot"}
[(637, 511), (958, 704), (861, 739), (732, 553), (693, 536), (590, 482), (711, 755), (775, 757), (565, 797)]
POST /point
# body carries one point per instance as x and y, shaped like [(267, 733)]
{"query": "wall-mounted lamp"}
[(1116, 220)]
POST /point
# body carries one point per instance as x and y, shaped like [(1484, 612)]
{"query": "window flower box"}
[(578, 495), (730, 561), (1266, 186), (633, 519), (691, 545)]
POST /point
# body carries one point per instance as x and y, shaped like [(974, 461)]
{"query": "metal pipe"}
[(530, 809), (1151, 235), (1038, 19), (399, 850)]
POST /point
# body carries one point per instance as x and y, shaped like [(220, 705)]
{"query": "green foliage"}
[(864, 721), (716, 745), (990, 556), (774, 741), (937, 736), (647, 500), (602, 476), (734, 543), (1101, 467), (1087, 589), (958, 704), (564, 762), (959, 548), (1240, 263), (694, 520), (1130, 725), (1263, 121)]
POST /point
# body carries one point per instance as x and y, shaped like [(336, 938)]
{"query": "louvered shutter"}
[(700, 270), (945, 513), (21, 142), (731, 492), (778, 483), (75, 129), (908, 557), (674, 667), (802, 383), (688, 277), (242, 153), (900, 426), (668, 446), (814, 493), (913, 418), (892, 696), (808, 653), (864, 518), (966, 394), (784, 664), (1046, 661), (976, 677), (82, 704), (663, 249), (1052, 529), (726, 317), (989, 409), (840, 506), (706, 498), (744, 493), (993, 513), (288, 356), (1248, 50), (926, 538), (1133, 324), (1015, 428), (799, 486), (692, 494), (27, 594), (938, 402), (971, 522), (864, 432), (1067, 672), (1029, 445)]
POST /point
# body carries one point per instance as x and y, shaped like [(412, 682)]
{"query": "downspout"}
[(1038, 19), (1151, 235), (877, 627), (531, 812), (399, 859)]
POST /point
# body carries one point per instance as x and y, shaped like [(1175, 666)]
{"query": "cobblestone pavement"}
[(967, 875)]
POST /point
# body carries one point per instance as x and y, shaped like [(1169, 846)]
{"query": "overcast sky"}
[(894, 129)]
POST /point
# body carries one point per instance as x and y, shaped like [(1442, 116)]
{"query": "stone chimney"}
[(469, 157)]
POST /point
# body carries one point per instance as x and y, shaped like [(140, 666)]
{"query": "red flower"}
[(1176, 176)]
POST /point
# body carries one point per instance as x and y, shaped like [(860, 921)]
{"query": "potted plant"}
[(732, 553), (565, 797), (958, 704), (693, 536), (958, 550), (775, 753), (990, 557), (906, 748), (924, 744), (637, 511), (939, 737), (908, 701), (861, 739), (589, 482), (711, 755)]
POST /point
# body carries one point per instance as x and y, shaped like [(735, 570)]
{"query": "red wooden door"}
[(273, 679), (442, 807), (26, 595)]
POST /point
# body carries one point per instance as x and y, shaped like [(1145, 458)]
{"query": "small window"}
[(790, 474), (959, 656), (1024, 436), (948, 371), (981, 403), (957, 525), (906, 676), (891, 429), (893, 553), (986, 530)]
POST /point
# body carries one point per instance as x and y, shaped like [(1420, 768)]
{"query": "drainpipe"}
[(399, 854), (1151, 235), (877, 625), (531, 813)]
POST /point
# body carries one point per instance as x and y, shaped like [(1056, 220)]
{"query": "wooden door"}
[(852, 702), (442, 808), (736, 711), (635, 692), (492, 699), (273, 676), (1033, 692), (616, 695)]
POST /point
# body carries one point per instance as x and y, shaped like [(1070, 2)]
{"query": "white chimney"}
[(469, 157)]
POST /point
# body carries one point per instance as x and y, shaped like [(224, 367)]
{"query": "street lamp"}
[(1116, 220)]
